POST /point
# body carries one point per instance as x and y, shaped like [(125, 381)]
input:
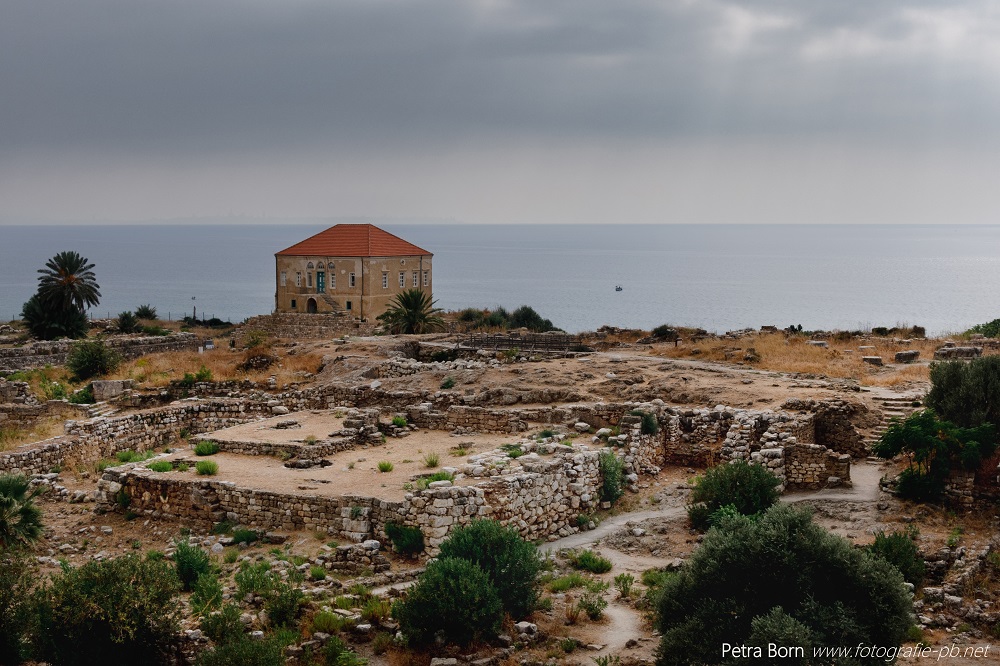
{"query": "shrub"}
[(155, 330), (327, 622), (127, 322), (317, 573), (122, 610), (161, 466), (284, 604), (593, 604), (206, 448), (648, 425), (836, 594), (385, 466), (381, 643), (206, 467), (665, 332), (431, 460), (750, 489), (253, 579), (623, 583), (567, 582), (399, 421), (511, 563), (203, 374), (147, 312), (967, 393), (336, 653), (900, 550), (376, 610), (91, 358), (17, 578), (20, 519), (47, 323), (526, 317), (244, 651), (191, 562), (588, 560), (84, 396), (449, 382), (406, 539), (612, 472), (454, 598), (206, 593), (243, 535)]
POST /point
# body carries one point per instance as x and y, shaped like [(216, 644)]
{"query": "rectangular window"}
[(293, 303), (333, 281), (415, 283), (348, 302), (298, 279), (309, 279), (284, 277), (385, 280), (352, 280), (427, 278), (321, 282), (402, 279)]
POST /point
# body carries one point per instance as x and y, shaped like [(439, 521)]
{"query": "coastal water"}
[(945, 277)]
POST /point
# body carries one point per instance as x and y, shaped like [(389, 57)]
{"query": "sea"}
[(717, 277)]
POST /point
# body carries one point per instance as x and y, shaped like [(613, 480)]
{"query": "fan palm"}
[(20, 519), (412, 312), (68, 281)]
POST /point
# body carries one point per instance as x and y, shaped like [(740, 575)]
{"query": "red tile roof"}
[(354, 240)]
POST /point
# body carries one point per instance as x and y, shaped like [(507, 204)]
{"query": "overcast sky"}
[(492, 111)]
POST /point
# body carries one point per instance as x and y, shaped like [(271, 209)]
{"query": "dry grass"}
[(43, 429), (158, 370), (792, 354)]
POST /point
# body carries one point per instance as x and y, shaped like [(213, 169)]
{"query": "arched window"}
[(310, 265), (320, 266)]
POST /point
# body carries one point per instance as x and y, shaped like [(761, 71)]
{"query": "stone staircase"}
[(892, 407), (101, 409), (331, 301)]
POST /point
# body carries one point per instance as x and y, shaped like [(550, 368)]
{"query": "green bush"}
[(49, 323), (385, 466), (84, 396), (147, 312), (223, 626), (780, 563), (511, 563), (203, 374), (399, 421), (327, 622), (206, 467), (284, 604), (990, 329), (206, 593), (191, 562), (127, 322), (20, 519), (748, 488), (244, 652), (92, 358), (526, 317), (336, 653), (623, 583), (648, 425), (406, 539), (593, 604), (612, 474), (118, 611), (588, 560), (206, 448), (17, 578), (453, 598), (317, 573), (432, 460), (449, 382), (900, 550), (243, 535), (254, 579), (665, 332), (161, 466), (967, 393)]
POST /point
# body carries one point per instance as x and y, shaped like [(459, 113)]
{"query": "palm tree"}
[(20, 519), (412, 312), (68, 281)]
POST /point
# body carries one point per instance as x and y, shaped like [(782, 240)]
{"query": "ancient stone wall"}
[(40, 354), (301, 326)]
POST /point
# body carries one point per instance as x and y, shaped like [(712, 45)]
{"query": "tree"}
[(412, 312), (20, 519), (17, 578), (46, 323), (145, 312), (68, 281), (966, 393), (511, 563), (779, 579), (748, 489), (453, 598), (90, 358)]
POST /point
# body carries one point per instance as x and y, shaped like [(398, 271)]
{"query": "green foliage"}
[(900, 550), (206, 593), (593, 604), (453, 597), (399, 421), (191, 562), (17, 578), (119, 611), (20, 519), (336, 653), (327, 622), (648, 425), (127, 322), (46, 323), (254, 579), (147, 312), (784, 563), (432, 460), (934, 447), (161, 466), (155, 330), (449, 382), (244, 652), (92, 358), (84, 396), (665, 332), (206, 448), (526, 317), (567, 582), (283, 604), (612, 474), (376, 610), (990, 329), (203, 375), (206, 467), (623, 583), (385, 466), (412, 311), (748, 488), (130, 456), (223, 626), (588, 560), (406, 539), (511, 563), (317, 573), (52, 390), (967, 393)]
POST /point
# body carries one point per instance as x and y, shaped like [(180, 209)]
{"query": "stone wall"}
[(40, 354), (812, 466), (300, 326)]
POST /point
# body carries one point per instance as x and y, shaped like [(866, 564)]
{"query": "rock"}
[(908, 356), (106, 529), (817, 343), (638, 531), (631, 643), (872, 360), (371, 544), (287, 423), (444, 661), (278, 409), (218, 548), (375, 384), (525, 627), (580, 426)]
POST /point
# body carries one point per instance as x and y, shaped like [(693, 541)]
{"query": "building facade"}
[(354, 269)]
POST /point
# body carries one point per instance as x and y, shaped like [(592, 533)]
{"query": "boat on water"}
[(618, 287)]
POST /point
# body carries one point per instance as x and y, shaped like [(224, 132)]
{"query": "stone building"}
[(356, 269)]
